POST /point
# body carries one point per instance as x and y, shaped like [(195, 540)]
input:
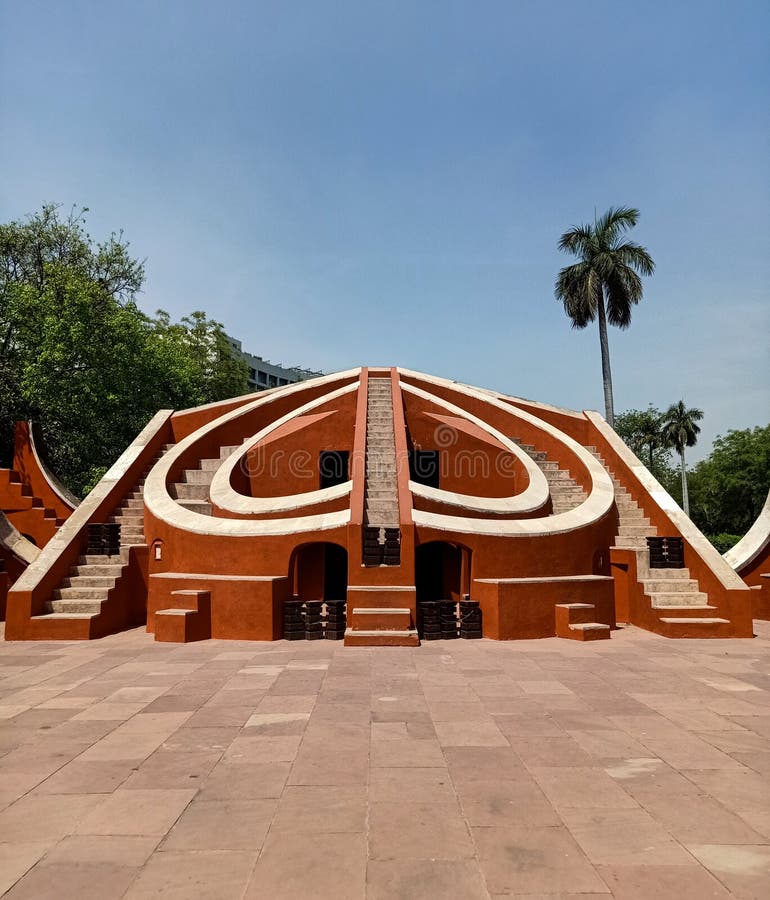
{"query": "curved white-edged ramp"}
[(164, 507), (601, 494), (753, 543)]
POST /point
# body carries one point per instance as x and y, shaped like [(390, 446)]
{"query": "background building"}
[(263, 374)]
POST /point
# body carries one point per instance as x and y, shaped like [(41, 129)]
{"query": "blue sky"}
[(385, 183)]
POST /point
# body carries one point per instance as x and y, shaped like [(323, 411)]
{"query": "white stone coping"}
[(535, 496), (70, 531), (210, 577), (686, 527), (14, 542), (544, 579), (165, 508), (225, 497), (753, 542), (381, 587), (600, 498)]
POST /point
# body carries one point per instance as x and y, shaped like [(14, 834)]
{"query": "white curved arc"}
[(600, 498), (165, 508), (534, 497), (753, 542), (224, 496)]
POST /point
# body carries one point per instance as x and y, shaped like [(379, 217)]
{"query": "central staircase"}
[(382, 624)]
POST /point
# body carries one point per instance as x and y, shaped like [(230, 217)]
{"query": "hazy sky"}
[(386, 182)]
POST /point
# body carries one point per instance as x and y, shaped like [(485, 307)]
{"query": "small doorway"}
[(442, 571), (333, 467), (319, 572)]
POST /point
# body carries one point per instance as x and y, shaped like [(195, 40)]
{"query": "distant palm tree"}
[(680, 431), (607, 273)]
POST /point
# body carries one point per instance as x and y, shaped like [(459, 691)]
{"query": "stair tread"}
[(691, 620)]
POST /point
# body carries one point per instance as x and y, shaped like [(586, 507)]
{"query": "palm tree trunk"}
[(609, 407), (685, 496)]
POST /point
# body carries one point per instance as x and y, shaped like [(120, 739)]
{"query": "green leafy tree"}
[(729, 487), (605, 282), (81, 358), (640, 429), (680, 430)]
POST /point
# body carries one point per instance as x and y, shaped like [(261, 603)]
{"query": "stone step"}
[(80, 593), (686, 609), (91, 607), (101, 560), (674, 598), (693, 620), (225, 452), (89, 581), (96, 569), (210, 465), (636, 530), (629, 542), (198, 476), (392, 638), (671, 585), (197, 506), (190, 491)]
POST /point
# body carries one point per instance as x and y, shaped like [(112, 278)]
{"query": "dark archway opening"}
[(442, 571), (320, 572)]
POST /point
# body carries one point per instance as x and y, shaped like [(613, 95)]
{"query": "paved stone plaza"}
[(636, 768)]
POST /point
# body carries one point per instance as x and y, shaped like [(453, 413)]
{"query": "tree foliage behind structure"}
[(79, 356), (728, 489)]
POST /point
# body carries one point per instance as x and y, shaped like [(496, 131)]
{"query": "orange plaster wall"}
[(514, 428), (240, 609), (473, 464), (522, 610), (287, 462)]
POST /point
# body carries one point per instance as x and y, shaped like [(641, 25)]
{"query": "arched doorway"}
[(319, 572), (442, 571)]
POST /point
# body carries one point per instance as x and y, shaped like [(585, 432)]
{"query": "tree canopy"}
[(79, 356)]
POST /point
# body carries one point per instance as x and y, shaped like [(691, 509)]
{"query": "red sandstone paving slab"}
[(244, 781), (550, 751), (697, 818), (497, 803), (452, 711), (418, 879), (265, 749), (203, 875), (81, 777), (297, 870), (620, 837), (389, 731), (645, 882), (322, 810), (419, 785), (17, 858), (409, 830), (172, 769), (608, 745), (86, 881), (739, 790), (46, 817), (482, 763), (470, 734), (527, 860), (123, 850), (310, 769), (419, 754), (744, 870), (581, 788), (202, 738), (222, 825), (138, 812)]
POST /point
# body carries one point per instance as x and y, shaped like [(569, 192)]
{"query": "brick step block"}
[(400, 638), (80, 607), (189, 620), (576, 622)]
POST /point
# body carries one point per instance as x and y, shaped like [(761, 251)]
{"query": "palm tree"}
[(680, 431), (605, 283)]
